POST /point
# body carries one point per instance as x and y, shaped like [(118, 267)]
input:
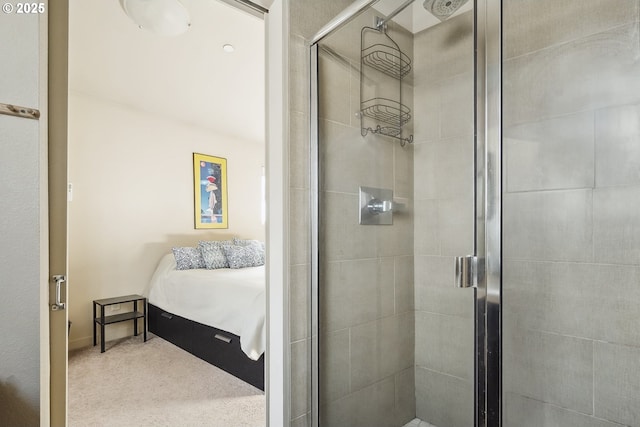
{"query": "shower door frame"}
[(487, 209), (488, 229)]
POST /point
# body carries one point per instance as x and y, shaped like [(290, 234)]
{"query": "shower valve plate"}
[(370, 197)]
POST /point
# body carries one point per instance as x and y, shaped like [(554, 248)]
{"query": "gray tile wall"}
[(571, 233), (305, 18), (367, 290), (443, 226)]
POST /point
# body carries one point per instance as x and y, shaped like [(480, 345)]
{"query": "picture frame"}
[(210, 192)]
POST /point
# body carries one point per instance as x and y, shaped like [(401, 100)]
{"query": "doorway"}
[(140, 105), (54, 388)]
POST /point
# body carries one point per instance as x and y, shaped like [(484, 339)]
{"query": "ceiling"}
[(188, 78)]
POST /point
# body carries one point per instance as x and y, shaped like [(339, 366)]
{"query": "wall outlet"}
[(115, 307)]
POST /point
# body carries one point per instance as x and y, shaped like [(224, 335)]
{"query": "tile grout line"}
[(595, 177), (593, 378)]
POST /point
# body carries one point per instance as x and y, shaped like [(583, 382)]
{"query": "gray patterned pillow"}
[(243, 256), (247, 242), (213, 254), (258, 245), (188, 258)]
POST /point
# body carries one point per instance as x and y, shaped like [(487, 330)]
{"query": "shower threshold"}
[(417, 422)]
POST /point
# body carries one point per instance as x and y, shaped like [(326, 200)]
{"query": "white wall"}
[(132, 179), (21, 198)]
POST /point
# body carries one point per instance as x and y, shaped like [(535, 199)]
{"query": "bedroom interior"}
[(142, 106)]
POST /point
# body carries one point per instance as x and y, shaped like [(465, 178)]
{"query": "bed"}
[(217, 315)]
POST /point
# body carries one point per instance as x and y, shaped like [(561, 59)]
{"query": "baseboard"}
[(81, 343), (115, 331)]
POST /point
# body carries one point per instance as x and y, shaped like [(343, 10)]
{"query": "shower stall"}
[(475, 235)]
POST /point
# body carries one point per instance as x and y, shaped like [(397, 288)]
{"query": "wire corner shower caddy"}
[(383, 115)]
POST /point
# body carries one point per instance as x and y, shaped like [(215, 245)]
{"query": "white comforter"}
[(229, 299)]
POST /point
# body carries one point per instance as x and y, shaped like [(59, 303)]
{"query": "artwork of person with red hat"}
[(210, 191), (211, 188)]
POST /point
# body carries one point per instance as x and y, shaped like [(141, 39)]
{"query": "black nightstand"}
[(134, 315)]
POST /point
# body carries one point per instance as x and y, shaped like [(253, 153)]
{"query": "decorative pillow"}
[(252, 243), (213, 254), (244, 242), (188, 258), (243, 256), (248, 242)]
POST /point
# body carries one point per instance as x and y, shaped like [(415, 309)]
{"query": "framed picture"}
[(210, 191)]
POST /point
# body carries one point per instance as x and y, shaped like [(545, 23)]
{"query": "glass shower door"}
[(395, 204), (571, 229), (444, 218)]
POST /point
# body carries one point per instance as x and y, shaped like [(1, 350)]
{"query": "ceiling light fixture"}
[(228, 48), (166, 17)]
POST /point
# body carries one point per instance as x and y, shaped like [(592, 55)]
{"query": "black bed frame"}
[(218, 347)]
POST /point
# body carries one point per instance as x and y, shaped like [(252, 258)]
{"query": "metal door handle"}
[(466, 269), (58, 304)]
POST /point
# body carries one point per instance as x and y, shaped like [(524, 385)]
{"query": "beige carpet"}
[(156, 383)]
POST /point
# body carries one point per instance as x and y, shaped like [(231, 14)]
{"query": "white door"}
[(28, 377)]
